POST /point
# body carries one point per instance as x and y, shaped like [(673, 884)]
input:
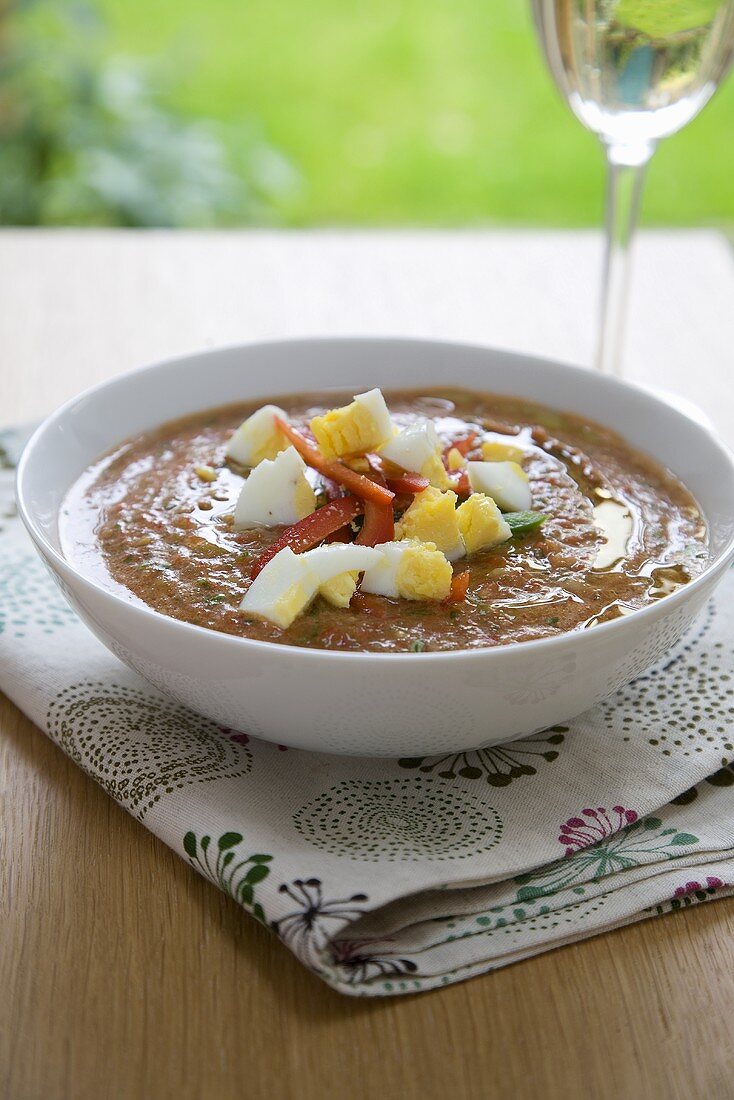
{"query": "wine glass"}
[(633, 71)]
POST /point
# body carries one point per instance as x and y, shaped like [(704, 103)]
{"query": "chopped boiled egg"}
[(358, 463), (432, 517), (340, 589), (418, 449), (435, 471), (258, 437), (336, 558), (282, 590), (411, 570), (339, 565), (289, 582), (456, 460), (505, 482), (276, 492), (481, 523), (412, 446), (500, 448), (354, 429)]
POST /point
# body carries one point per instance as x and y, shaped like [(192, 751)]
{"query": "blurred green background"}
[(359, 112)]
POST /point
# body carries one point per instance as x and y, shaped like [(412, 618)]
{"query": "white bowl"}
[(400, 704)]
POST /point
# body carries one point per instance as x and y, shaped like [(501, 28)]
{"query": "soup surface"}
[(620, 531)]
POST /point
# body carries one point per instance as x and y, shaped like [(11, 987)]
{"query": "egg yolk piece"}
[(424, 573), (456, 460), (338, 566), (481, 523), (432, 517), (500, 448), (354, 429), (411, 570), (340, 589)]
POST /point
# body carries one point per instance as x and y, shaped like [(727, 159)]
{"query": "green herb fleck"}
[(417, 647), (524, 523), (202, 582), (552, 621)]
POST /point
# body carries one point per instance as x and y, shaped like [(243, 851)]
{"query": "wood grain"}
[(124, 975)]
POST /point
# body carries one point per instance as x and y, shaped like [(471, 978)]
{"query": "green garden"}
[(333, 112)]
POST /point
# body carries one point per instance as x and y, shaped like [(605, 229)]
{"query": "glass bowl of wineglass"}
[(633, 72)]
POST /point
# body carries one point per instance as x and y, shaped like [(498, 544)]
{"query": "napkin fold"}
[(393, 876)]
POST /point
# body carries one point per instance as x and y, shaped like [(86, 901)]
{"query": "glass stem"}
[(625, 174)]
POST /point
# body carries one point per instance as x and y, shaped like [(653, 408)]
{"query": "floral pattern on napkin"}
[(393, 876)]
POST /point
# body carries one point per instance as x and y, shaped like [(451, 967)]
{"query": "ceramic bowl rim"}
[(648, 614)]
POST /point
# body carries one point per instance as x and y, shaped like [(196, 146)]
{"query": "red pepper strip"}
[(344, 534), (464, 445), (459, 587), (377, 473), (378, 526), (312, 530), (379, 520), (356, 483), (408, 483)]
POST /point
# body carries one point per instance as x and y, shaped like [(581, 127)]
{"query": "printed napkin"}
[(392, 876)]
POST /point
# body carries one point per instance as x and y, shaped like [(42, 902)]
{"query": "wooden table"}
[(134, 977)]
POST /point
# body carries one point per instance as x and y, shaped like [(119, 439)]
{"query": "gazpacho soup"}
[(396, 522)]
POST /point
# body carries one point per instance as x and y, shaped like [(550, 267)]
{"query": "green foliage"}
[(237, 876), (87, 138), (257, 874), (422, 112), (228, 840), (658, 20)]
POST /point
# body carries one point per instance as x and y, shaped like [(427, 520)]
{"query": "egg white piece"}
[(413, 447), (282, 590), (374, 403), (288, 583), (411, 570), (340, 557), (505, 482), (276, 492), (256, 435), (381, 579)]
